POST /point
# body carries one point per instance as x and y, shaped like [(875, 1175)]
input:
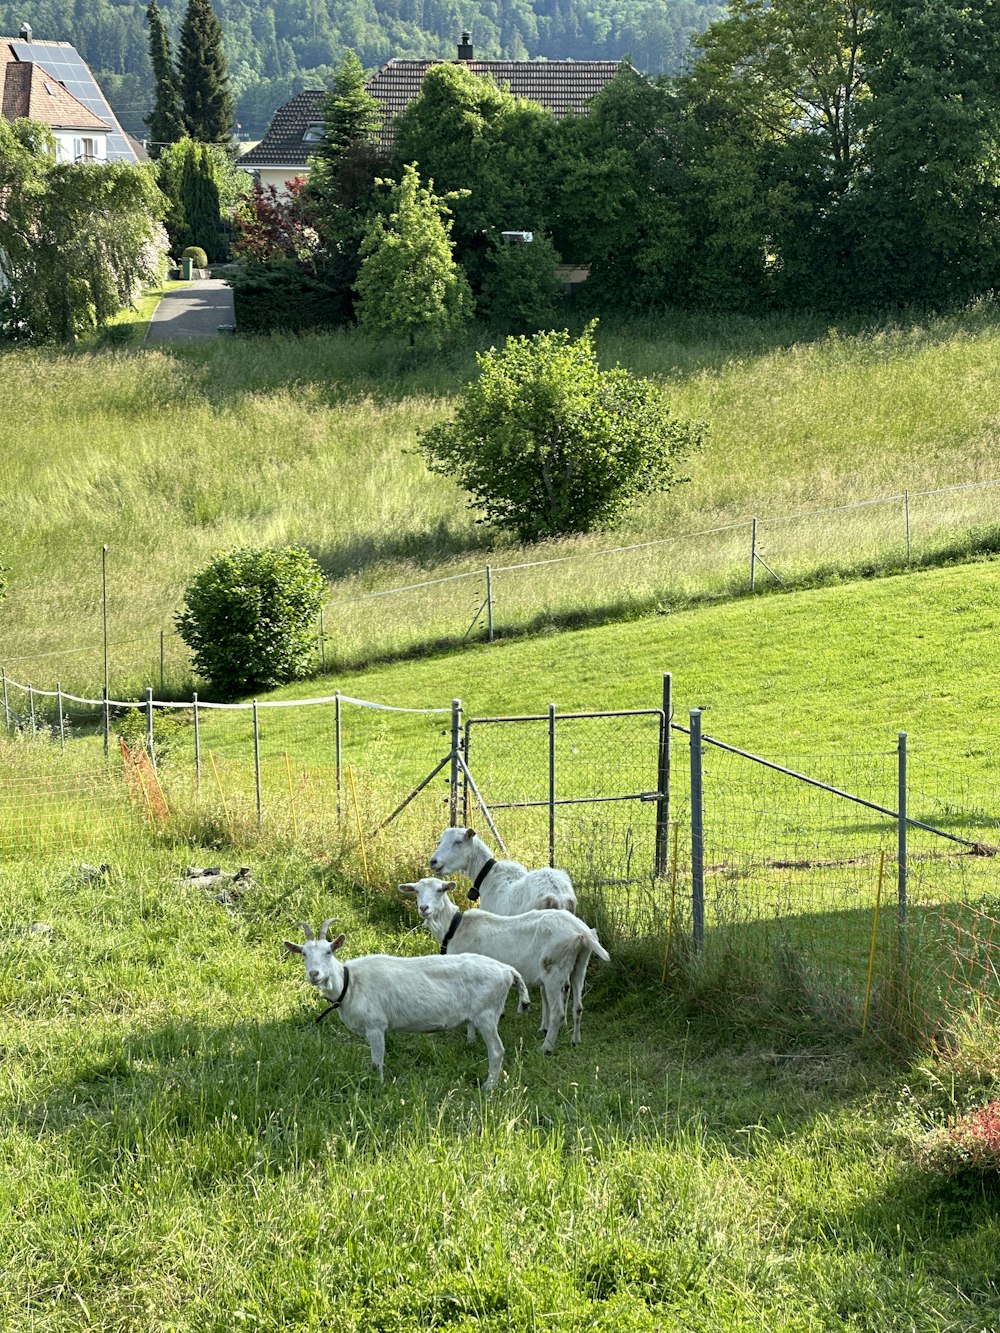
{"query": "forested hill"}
[(276, 49)]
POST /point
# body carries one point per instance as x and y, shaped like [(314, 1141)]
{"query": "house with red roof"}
[(49, 82)]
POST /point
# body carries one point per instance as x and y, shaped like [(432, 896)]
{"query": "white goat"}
[(550, 948), (505, 887), (380, 992)]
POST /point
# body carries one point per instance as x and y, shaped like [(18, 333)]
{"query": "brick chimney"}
[(465, 47)]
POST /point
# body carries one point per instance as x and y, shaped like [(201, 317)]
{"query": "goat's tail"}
[(597, 948), (522, 991)]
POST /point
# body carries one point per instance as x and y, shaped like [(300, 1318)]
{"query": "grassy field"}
[(186, 1151), (167, 456)]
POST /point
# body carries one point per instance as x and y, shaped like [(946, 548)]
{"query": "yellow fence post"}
[(871, 950)]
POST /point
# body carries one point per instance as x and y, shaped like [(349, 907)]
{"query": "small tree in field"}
[(250, 618), (546, 443), (409, 282)]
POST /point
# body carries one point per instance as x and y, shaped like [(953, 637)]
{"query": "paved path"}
[(194, 311)]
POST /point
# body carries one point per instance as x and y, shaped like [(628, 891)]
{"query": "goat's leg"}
[(376, 1041), (577, 977), (552, 1002), (494, 1050), (543, 1026)]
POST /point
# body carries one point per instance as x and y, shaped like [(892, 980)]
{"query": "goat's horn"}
[(326, 926), (308, 931)]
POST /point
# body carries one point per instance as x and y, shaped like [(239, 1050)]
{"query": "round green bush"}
[(250, 619), (546, 443), (196, 254)]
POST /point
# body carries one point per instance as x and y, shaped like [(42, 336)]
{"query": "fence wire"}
[(362, 624), (806, 873)]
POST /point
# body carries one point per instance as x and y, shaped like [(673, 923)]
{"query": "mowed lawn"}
[(186, 1149)]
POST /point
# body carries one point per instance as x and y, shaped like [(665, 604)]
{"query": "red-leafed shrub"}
[(972, 1143)]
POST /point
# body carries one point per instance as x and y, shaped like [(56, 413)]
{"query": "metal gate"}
[(589, 791)]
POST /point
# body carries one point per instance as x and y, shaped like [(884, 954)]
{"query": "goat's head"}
[(430, 894), (452, 852), (318, 954)]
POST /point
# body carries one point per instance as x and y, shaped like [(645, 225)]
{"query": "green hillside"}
[(275, 50), (727, 1151), (174, 455)]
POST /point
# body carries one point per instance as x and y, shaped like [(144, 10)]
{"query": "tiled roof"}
[(55, 86), (564, 86), (283, 145), (29, 91)]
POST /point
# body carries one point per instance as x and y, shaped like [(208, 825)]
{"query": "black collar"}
[(449, 934), (335, 1004), (478, 884)]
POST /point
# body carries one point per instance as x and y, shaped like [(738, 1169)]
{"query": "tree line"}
[(275, 50), (832, 156), (836, 156)]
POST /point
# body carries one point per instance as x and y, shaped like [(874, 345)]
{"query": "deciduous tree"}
[(547, 443), (409, 282), (77, 241)]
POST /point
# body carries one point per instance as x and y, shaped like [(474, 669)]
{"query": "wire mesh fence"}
[(861, 884), (363, 623)]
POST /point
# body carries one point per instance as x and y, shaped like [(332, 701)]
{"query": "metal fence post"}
[(256, 763), (552, 784), (906, 517), (753, 554), (697, 836), (901, 833), (106, 718), (489, 602), (197, 745), (663, 782), (322, 642), (149, 725), (31, 709), (6, 704), (62, 723), (456, 768), (338, 752)]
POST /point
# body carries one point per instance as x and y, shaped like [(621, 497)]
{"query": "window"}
[(84, 150), (314, 132)]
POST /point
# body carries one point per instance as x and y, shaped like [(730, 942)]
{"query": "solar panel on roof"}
[(64, 64)]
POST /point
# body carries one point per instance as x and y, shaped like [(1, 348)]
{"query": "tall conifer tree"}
[(209, 108), (165, 121), (347, 159)]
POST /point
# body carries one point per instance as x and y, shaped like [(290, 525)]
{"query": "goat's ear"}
[(338, 942), (407, 888), (470, 833), (445, 888), (293, 948)]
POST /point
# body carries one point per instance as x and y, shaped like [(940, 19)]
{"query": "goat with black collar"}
[(550, 948), (380, 992), (504, 887)]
